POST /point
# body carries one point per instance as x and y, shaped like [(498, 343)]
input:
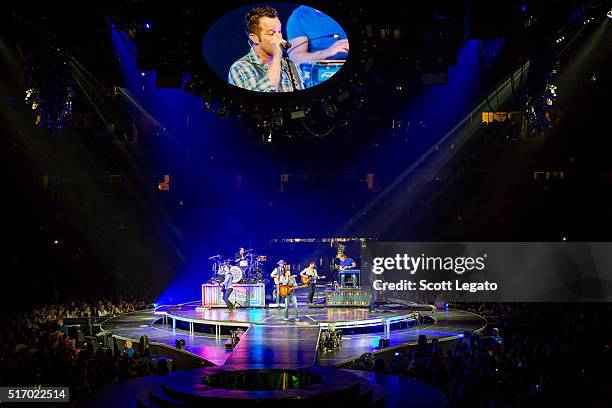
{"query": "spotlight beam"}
[(446, 148)]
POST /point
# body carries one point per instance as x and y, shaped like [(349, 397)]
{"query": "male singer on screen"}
[(263, 68)]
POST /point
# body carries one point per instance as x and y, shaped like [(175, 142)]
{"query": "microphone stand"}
[(292, 74)]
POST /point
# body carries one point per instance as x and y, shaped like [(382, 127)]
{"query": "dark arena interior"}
[(230, 203)]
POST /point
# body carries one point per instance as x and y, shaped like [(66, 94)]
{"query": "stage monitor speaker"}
[(422, 343), (164, 366), (383, 343), (143, 345)]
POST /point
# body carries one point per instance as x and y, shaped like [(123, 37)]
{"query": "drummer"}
[(239, 256), (276, 274)]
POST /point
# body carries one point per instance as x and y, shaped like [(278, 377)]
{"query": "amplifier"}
[(349, 297)]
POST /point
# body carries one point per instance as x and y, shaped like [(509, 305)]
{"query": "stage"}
[(271, 340), (273, 348)]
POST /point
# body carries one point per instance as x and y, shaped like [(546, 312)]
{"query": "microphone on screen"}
[(285, 45)]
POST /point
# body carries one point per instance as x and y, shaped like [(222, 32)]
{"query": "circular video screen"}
[(276, 47)]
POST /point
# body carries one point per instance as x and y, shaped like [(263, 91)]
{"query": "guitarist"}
[(277, 273), (289, 280), (309, 276)]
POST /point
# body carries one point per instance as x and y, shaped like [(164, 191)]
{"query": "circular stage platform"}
[(292, 343)]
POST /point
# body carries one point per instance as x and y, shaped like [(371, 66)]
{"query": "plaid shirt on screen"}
[(249, 72)]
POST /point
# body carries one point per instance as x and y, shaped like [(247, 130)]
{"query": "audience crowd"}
[(545, 355), (529, 355), (35, 348)]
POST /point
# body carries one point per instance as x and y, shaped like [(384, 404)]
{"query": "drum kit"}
[(247, 269)]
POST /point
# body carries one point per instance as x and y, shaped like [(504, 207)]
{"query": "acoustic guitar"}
[(286, 290), (306, 279)]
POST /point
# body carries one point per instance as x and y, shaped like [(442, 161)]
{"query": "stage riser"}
[(348, 298), (243, 295)]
